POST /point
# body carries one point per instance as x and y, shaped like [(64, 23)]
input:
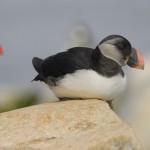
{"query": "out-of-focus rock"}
[(68, 125), (135, 108)]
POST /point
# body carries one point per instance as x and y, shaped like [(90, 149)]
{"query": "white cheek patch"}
[(110, 51)]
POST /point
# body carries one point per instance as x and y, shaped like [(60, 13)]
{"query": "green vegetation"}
[(19, 101)]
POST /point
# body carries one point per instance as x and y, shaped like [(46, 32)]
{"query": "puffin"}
[(1, 50), (87, 73)]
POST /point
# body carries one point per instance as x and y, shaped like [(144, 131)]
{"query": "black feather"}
[(37, 63), (38, 78), (67, 62)]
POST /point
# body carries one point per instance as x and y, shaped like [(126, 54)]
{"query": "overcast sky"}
[(31, 28)]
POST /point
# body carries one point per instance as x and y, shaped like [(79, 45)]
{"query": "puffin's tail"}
[(37, 64), (38, 78)]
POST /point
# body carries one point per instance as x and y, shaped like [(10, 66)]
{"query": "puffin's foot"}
[(73, 98), (110, 104), (69, 98)]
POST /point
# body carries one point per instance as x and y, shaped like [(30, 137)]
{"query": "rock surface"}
[(67, 125)]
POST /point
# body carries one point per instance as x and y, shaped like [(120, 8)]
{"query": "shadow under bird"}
[(86, 73)]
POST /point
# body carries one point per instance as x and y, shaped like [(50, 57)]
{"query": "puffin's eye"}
[(127, 57), (120, 46)]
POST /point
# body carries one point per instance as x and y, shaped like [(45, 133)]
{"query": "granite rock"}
[(67, 125)]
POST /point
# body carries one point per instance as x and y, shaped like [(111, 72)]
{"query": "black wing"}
[(62, 63)]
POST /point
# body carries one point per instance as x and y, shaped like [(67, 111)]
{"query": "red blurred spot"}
[(1, 50)]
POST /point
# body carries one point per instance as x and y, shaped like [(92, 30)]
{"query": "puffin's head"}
[(120, 50)]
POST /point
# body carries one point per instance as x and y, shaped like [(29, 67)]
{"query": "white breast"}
[(89, 84)]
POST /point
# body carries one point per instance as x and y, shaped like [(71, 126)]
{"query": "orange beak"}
[(136, 60), (1, 50)]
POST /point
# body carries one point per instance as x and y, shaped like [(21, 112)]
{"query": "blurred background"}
[(31, 28)]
